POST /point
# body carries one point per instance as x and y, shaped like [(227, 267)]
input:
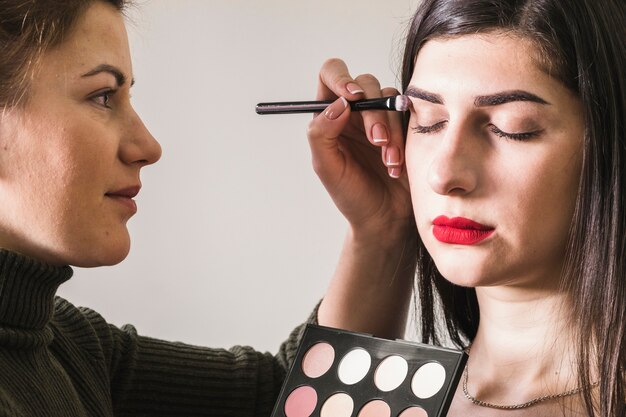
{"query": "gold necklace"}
[(527, 404)]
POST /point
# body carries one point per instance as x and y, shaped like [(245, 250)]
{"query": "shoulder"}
[(86, 330)]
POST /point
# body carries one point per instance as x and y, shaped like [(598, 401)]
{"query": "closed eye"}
[(428, 129), (515, 136)]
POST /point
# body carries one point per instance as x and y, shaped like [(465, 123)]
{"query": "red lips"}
[(460, 231)]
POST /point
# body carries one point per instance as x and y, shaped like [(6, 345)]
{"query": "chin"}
[(104, 259), (108, 253), (463, 278), (464, 271)]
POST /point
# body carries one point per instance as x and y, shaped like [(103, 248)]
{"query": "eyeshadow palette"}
[(337, 373)]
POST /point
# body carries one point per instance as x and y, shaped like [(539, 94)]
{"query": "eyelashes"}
[(521, 136), (428, 129), (515, 136)]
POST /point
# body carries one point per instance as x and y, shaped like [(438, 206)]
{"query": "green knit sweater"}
[(59, 360)]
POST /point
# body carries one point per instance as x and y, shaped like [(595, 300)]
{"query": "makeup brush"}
[(392, 103)]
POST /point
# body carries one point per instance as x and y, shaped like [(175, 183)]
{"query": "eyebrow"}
[(120, 78), (423, 95), (507, 97), (480, 101)]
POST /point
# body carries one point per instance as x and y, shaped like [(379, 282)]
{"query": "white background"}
[(235, 239)]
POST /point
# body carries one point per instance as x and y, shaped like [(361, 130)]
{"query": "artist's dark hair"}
[(582, 44), (27, 29)]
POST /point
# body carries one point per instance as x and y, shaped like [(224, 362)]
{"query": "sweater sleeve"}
[(151, 377)]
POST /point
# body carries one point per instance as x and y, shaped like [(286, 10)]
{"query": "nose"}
[(139, 147), (454, 168)]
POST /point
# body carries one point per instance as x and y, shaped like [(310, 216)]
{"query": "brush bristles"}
[(402, 103)]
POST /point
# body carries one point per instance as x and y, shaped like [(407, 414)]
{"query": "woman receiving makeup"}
[(71, 152), (515, 156)]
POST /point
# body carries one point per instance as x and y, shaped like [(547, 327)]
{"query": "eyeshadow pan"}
[(318, 360), (354, 366), (414, 412), (338, 373), (376, 408), (301, 402), (338, 405), (428, 380), (390, 373)]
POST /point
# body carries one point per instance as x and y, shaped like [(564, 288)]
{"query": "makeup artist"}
[(71, 152), (516, 159)]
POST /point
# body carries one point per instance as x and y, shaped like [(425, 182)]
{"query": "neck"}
[(523, 347)]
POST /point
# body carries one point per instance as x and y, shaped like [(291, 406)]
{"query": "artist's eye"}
[(103, 98), (514, 136), (428, 129)]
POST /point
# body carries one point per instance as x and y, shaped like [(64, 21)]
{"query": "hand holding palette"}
[(337, 373)]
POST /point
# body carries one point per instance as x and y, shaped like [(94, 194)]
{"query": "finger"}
[(335, 81), (375, 122), (323, 133), (393, 157)]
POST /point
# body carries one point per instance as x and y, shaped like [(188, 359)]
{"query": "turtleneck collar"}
[(27, 289)]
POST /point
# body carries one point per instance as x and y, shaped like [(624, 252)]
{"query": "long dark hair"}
[(27, 29), (582, 44)]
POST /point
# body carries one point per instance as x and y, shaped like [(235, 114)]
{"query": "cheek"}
[(59, 162), (538, 204), (417, 162), (62, 170), (83, 154)]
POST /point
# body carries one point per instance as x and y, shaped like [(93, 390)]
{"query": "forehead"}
[(495, 58), (487, 63), (99, 37)]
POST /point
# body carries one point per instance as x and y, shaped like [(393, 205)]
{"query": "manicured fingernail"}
[(354, 88), (335, 109), (395, 172), (379, 133), (393, 156)]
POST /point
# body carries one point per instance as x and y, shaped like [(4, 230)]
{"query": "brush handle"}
[(282, 107)]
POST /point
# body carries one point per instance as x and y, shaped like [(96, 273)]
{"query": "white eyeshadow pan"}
[(391, 373), (354, 366), (428, 380)]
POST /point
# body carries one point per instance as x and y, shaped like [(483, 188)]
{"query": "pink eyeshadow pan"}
[(414, 412), (338, 405), (301, 402), (376, 408), (318, 360)]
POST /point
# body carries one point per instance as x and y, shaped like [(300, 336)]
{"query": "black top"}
[(60, 360)]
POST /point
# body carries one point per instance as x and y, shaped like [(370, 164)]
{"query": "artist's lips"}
[(460, 231), (125, 197)]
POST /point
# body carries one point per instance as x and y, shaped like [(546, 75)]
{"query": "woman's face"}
[(494, 155), (70, 157)]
